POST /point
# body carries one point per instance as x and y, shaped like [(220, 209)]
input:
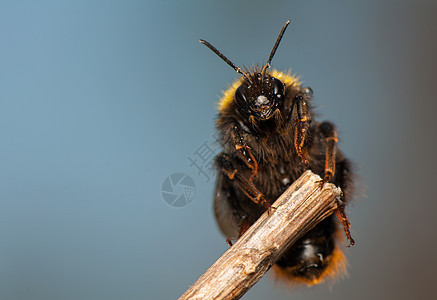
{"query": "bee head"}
[(260, 94), (259, 97)]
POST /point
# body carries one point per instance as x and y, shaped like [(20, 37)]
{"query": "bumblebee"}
[(270, 136)]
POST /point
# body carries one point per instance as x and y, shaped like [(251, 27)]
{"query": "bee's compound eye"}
[(240, 97), (278, 88), (308, 91)]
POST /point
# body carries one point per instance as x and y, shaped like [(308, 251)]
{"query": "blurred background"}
[(107, 113)]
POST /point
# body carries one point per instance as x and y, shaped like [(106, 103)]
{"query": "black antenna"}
[(278, 40), (237, 69)]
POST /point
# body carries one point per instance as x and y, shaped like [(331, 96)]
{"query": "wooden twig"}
[(298, 210)]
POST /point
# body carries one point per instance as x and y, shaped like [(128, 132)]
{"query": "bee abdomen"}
[(313, 258)]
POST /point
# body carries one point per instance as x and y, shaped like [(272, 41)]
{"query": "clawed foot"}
[(321, 183), (229, 241)]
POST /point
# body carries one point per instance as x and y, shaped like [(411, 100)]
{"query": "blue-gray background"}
[(101, 100)]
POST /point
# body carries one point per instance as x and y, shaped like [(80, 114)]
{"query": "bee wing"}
[(225, 211)]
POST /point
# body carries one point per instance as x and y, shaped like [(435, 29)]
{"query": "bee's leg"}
[(244, 152), (342, 217), (244, 226), (328, 132), (225, 165), (301, 125)]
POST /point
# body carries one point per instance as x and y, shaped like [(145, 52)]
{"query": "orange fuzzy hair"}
[(336, 269)]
